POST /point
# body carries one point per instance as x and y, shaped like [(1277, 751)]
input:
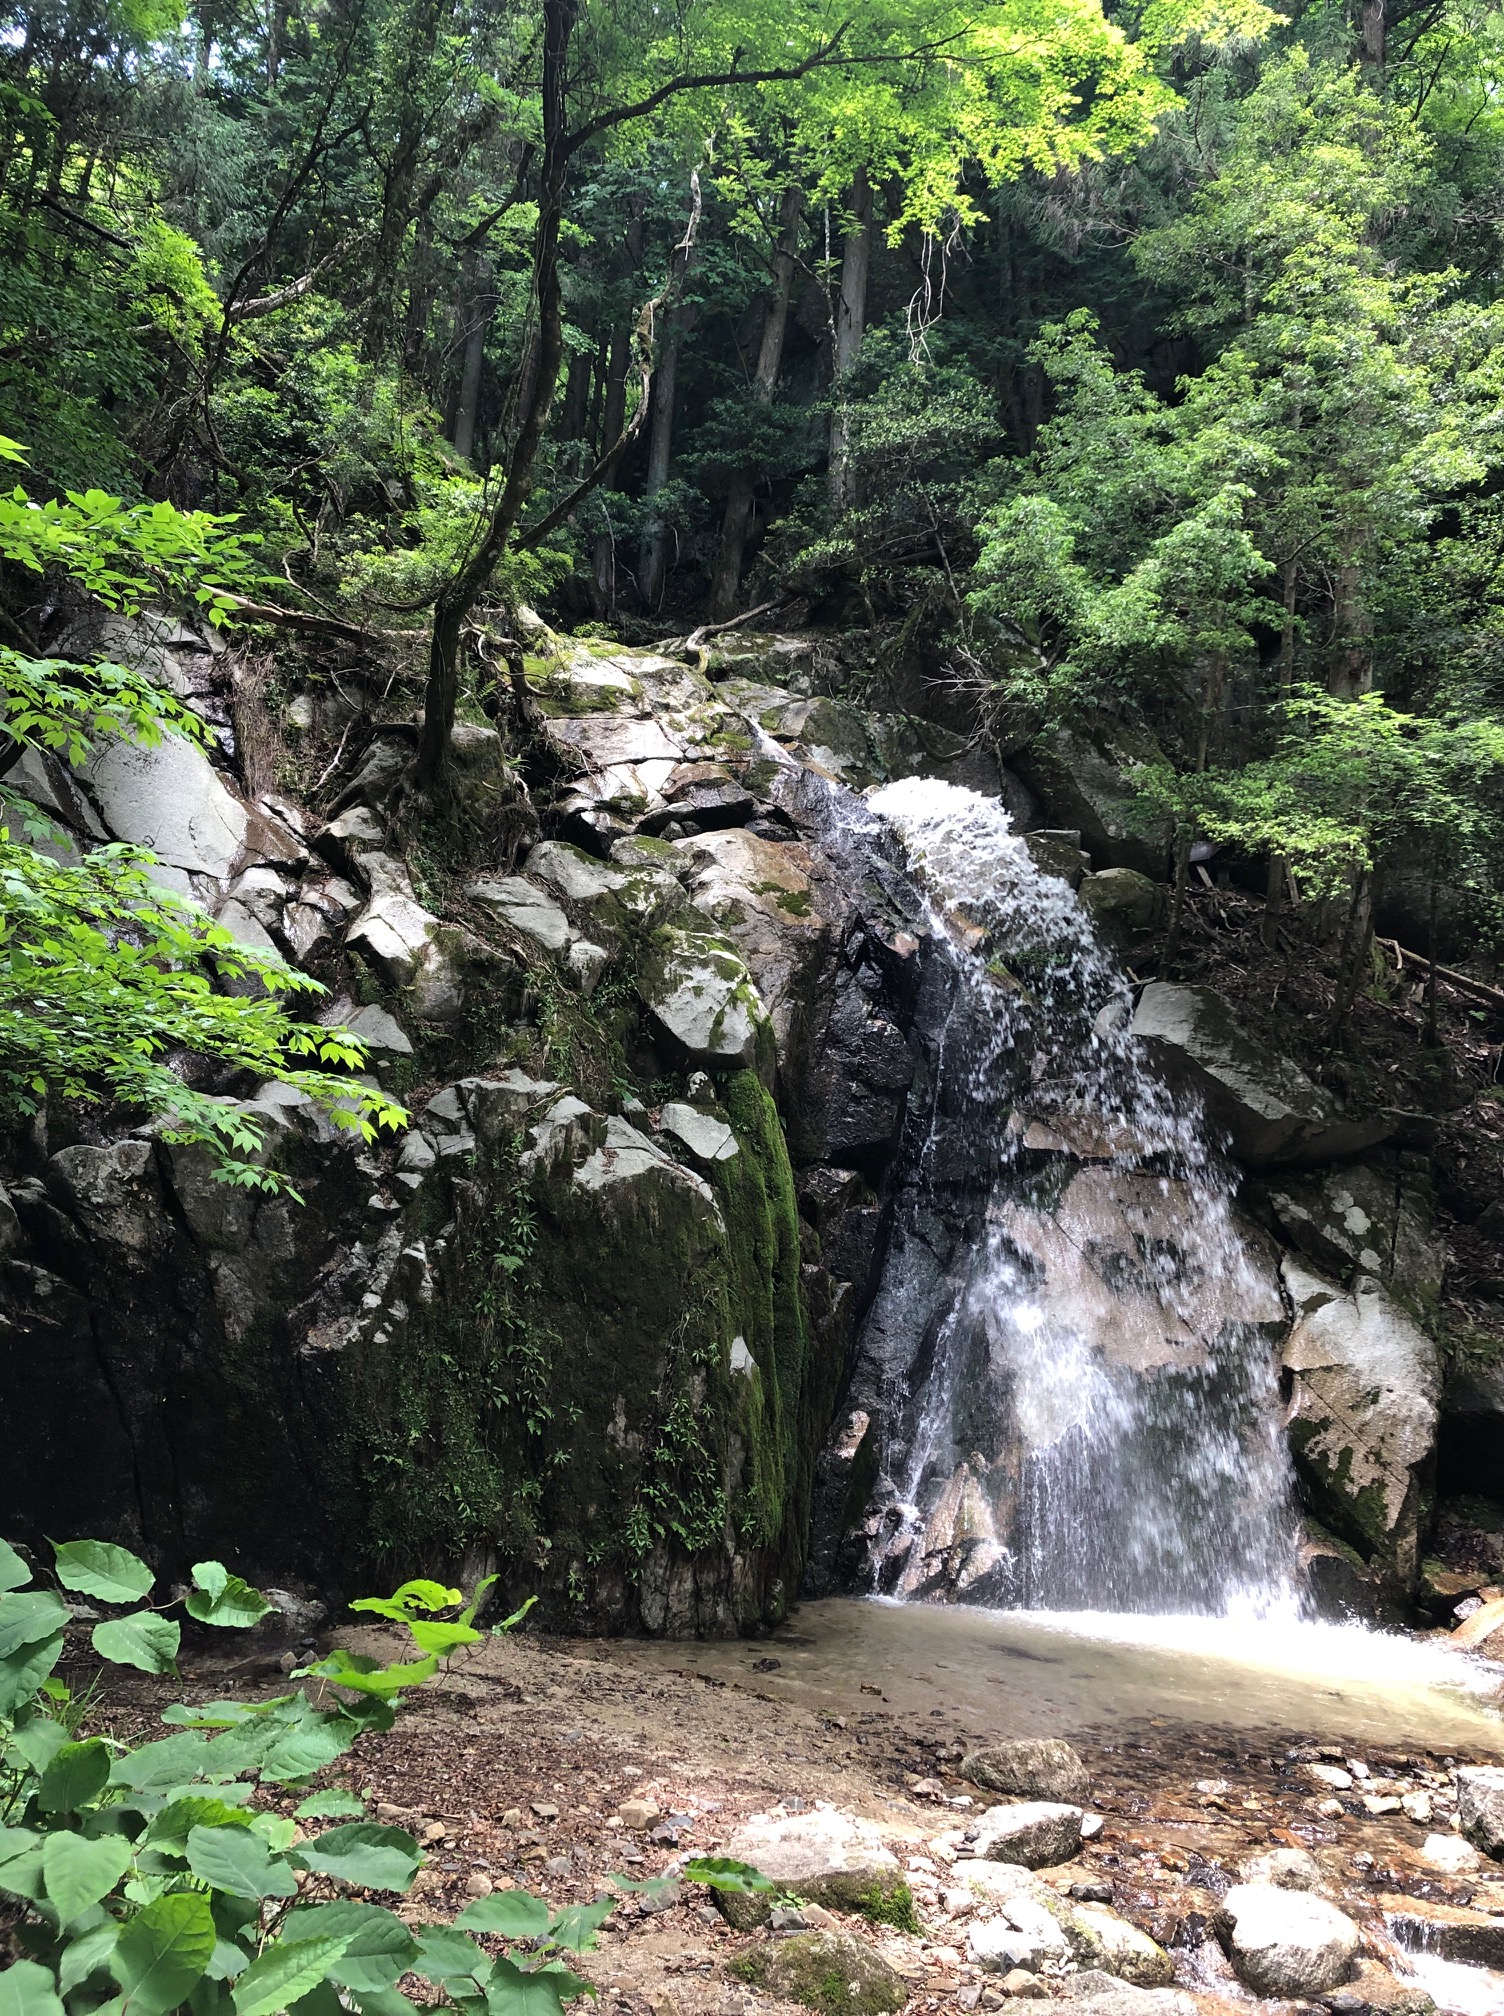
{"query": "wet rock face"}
[(1272, 1112), (1083, 784), (1363, 1414), (1480, 1808)]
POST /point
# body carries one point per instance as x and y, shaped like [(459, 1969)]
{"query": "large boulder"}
[(1365, 1218), (1287, 1943), (1124, 906), (1086, 783), (170, 798), (698, 988), (1271, 1110), (825, 1857), (1480, 1807), (1470, 1441), (829, 1971), (1020, 1921), (1104, 1995), (1363, 1414), (1127, 1952), (1032, 1767), (1036, 1833)]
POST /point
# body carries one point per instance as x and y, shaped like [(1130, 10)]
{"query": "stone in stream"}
[(1131, 1955), (1040, 1767), (1036, 1833), (1284, 1868), (1480, 1807), (824, 1857), (1287, 1943), (817, 1967), (1108, 1996)]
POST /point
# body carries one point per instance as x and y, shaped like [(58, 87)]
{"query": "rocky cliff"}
[(598, 1319)]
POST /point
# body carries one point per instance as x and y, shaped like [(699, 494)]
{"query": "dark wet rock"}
[(1086, 783), (1033, 1767), (1125, 907), (1037, 1834)]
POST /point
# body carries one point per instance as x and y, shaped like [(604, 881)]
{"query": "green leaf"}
[(27, 1989), (78, 1873), (722, 1872), (21, 1862), (25, 1670), (29, 1617), (332, 1805), (156, 1767), (38, 1741), (515, 1914), (308, 1746), (228, 1960), (88, 1954), (211, 1577), (284, 1972), (238, 1860), (381, 1947), (170, 1829), (382, 2002), (576, 1926), (14, 1573), (162, 1951), (365, 1854), (76, 1776), (445, 1954), (96, 1568), (510, 1992), (142, 1639), (234, 1605)]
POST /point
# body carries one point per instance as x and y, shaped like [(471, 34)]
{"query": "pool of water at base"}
[(1051, 1673)]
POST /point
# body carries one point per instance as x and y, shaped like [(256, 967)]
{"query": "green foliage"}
[(144, 1872)]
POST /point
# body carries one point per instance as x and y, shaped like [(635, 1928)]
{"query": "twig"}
[(697, 637), (330, 766), (1464, 984)]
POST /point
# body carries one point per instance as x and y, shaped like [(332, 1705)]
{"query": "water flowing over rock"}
[(1070, 1351)]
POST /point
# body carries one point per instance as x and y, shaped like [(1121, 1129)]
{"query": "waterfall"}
[(1081, 1392)]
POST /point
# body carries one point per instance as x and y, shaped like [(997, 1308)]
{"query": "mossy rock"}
[(828, 1971), (879, 1895)]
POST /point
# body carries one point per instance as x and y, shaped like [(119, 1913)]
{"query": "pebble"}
[(1417, 1807), (638, 1813), (513, 1817), (1019, 1981), (545, 1810), (1331, 1774), (478, 1886), (435, 1831), (558, 1865), (1376, 1804), (1330, 1809), (1091, 1826)]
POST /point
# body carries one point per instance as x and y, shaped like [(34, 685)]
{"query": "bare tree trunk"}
[(1357, 936), (603, 559), (738, 517), (475, 293), (851, 319), (652, 566), (1177, 903), (1274, 891), (459, 594), (1372, 32), (1432, 1037), (1351, 670)]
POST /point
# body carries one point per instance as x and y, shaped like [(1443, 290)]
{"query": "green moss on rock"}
[(828, 1971)]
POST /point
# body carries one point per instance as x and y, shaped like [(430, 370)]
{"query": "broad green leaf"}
[(96, 1568), (75, 1777), (162, 1951), (284, 1972), (14, 1573), (382, 2002), (170, 1829), (510, 1992), (323, 1999), (78, 1873), (515, 1914), (38, 1741), (278, 1832), (722, 1872), (238, 1860), (235, 1605), (29, 1616), (368, 1676), (308, 1746), (88, 1954), (381, 1947), (156, 1767), (227, 1960), (25, 1670), (365, 1854), (27, 1989), (445, 1954), (417, 1595), (21, 1862), (224, 1714), (332, 1805), (576, 1926), (440, 1638), (211, 1577), (142, 1639)]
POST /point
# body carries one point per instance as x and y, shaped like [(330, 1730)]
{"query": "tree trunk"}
[(1357, 936), (653, 561), (1183, 837), (603, 559), (420, 39), (1432, 1038), (1351, 670), (851, 318), (738, 517), (475, 293), (1274, 890), (459, 594), (1374, 25)]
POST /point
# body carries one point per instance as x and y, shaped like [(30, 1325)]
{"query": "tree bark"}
[(652, 566), (1351, 670), (603, 558), (458, 596), (1373, 29), (851, 318), (1274, 888), (475, 294), (738, 517)]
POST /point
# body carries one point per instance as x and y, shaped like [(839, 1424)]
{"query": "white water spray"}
[(1091, 1418)]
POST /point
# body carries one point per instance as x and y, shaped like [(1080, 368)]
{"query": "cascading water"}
[(1084, 1410)]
